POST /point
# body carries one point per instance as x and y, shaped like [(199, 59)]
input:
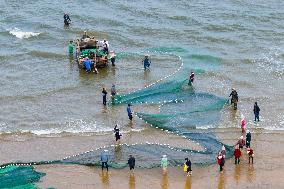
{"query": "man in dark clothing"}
[(67, 19), (131, 162), (129, 112), (191, 78), (234, 98), (104, 96), (248, 139), (188, 164), (256, 111), (116, 133)]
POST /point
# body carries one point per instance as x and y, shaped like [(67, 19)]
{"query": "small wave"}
[(22, 34)]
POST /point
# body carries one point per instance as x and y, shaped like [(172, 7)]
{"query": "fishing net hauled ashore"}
[(182, 112)]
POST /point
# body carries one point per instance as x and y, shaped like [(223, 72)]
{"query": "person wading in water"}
[(67, 19), (234, 98)]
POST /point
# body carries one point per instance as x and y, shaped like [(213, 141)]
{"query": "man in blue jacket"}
[(104, 159)]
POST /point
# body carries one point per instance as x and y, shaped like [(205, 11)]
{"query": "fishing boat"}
[(95, 50)]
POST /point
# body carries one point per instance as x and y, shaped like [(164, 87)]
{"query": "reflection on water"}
[(250, 173), (165, 181), (237, 173), (131, 181), (105, 178), (221, 181), (187, 183)]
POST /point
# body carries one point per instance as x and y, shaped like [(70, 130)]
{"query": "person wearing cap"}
[(256, 111), (104, 159), (221, 161), (164, 163), (67, 19), (191, 78), (237, 154), (129, 112), (146, 62), (131, 163), (248, 139), (85, 35), (234, 98)]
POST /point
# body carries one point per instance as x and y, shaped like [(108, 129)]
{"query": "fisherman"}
[(241, 142), (112, 59), (191, 78), (113, 90), (223, 151), (105, 47), (221, 161), (104, 96), (71, 47), (164, 163), (187, 165), (85, 35), (256, 111), (129, 112), (234, 98), (237, 154), (67, 19), (116, 133), (248, 139), (146, 62), (131, 163), (104, 159), (88, 64), (243, 125), (250, 153)]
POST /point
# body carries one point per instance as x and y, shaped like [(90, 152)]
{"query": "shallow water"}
[(230, 44)]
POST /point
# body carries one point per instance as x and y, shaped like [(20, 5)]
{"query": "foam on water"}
[(22, 34)]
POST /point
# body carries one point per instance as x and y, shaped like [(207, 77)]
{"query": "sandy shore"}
[(266, 172)]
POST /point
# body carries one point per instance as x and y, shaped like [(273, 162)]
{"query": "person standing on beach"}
[(234, 98), (116, 133), (237, 154), (104, 159), (131, 163), (129, 112), (250, 153), (104, 96), (241, 142), (164, 163), (221, 161), (188, 166), (223, 151), (243, 125), (256, 111), (248, 139), (191, 78)]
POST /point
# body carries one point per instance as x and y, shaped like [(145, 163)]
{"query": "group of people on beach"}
[(241, 143)]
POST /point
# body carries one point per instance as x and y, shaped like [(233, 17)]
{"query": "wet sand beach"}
[(265, 173)]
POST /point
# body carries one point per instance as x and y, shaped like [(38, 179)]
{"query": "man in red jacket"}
[(237, 155)]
